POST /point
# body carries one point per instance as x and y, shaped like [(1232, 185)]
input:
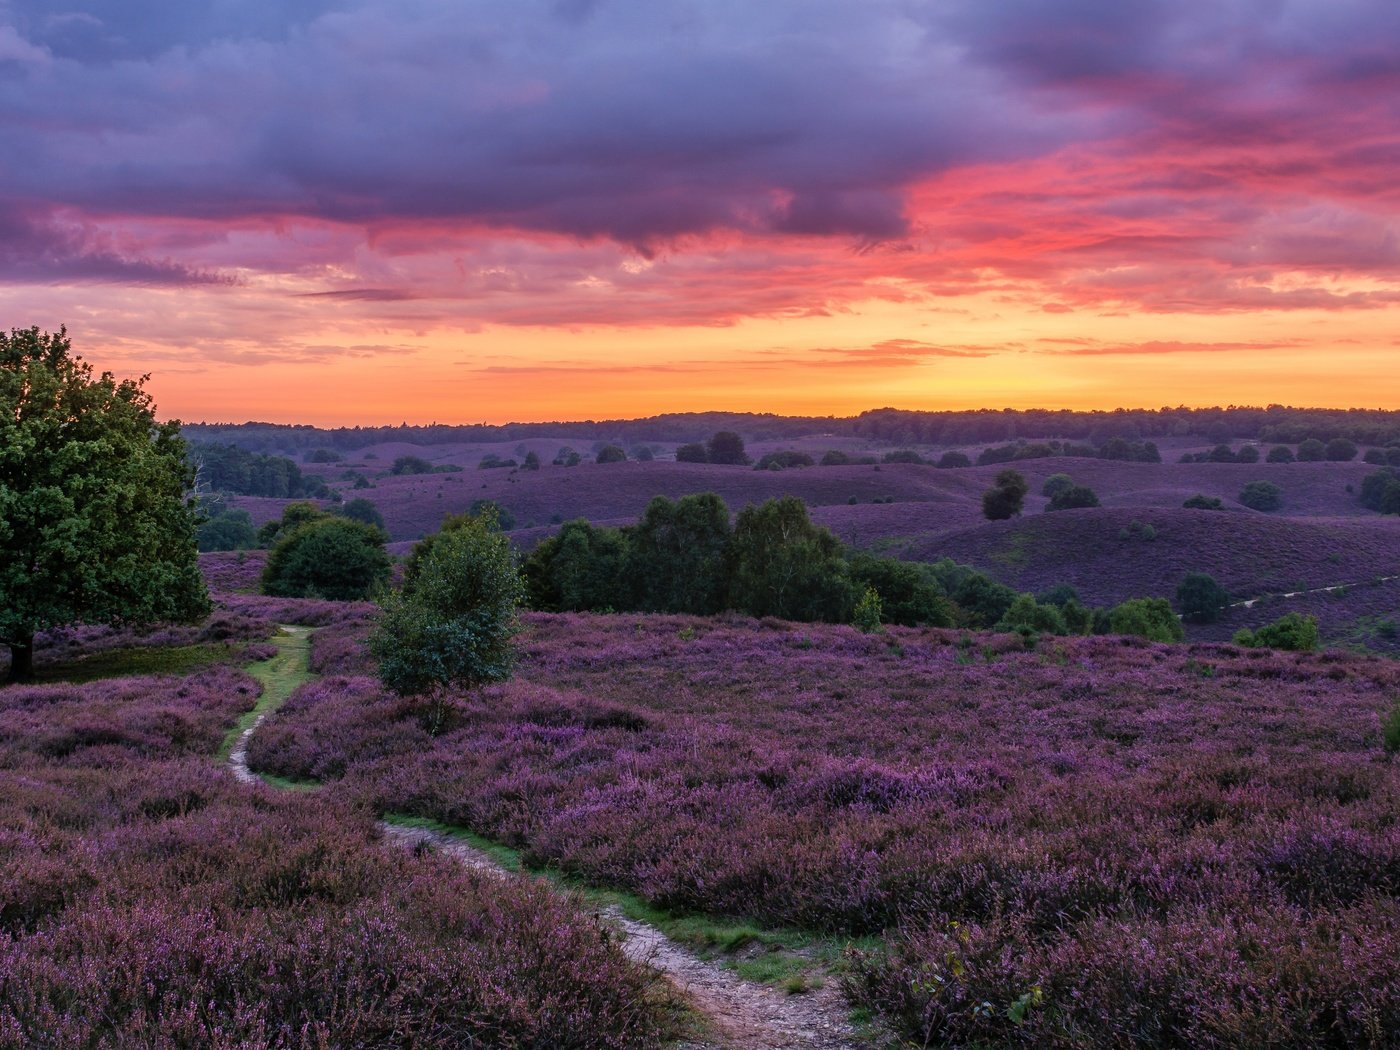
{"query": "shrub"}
[(1222, 454), (1312, 451), (332, 558), (1075, 497), (1340, 450), (1006, 498), (784, 459), (834, 458), (1381, 491), (611, 454), (1026, 615), (1150, 618), (954, 459), (491, 461), (692, 453), (580, 569), (1293, 632), (497, 517), (1247, 454), (363, 510), (452, 623), (1200, 501), (910, 595), (726, 447), (1280, 454), (644, 454), (323, 455), (904, 455), (1056, 483), (1200, 598), (1262, 496), (411, 465), (531, 462), (567, 457), (867, 615), (230, 531)]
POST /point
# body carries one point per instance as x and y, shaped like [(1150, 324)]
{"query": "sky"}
[(492, 210)]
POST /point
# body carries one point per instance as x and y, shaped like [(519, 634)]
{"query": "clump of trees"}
[(725, 447), (97, 522), (1262, 496), (784, 459), (1294, 632), (611, 454), (1006, 498), (320, 555), (1075, 497), (228, 468), (1381, 491), (1200, 598), (1200, 501)]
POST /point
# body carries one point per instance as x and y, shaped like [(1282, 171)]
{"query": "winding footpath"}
[(741, 1015)]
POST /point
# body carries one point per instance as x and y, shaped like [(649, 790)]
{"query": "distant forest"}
[(1276, 423)]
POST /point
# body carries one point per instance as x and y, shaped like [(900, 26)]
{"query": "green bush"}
[(1076, 497), (333, 558), (1280, 454), (1200, 598), (953, 460), (1026, 615), (1200, 501), (868, 615), (361, 509), (1006, 498), (694, 452), (230, 531), (411, 465), (1150, 618), (1293, 632), (452, 623), (1056, 483), (611, 454), (1262, 496)]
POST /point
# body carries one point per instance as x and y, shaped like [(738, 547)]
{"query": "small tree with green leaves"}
[(1056, 483), (1262, 496), (1076, 497), (1005, 499), (1150, 618), (1293, 632), (327, 557), (452, 624), (868, 615)]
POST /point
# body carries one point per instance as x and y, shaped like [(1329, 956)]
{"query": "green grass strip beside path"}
[(288, 668)]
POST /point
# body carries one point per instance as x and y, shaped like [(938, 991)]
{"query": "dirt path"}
[(1250, 603), (741, 1014)]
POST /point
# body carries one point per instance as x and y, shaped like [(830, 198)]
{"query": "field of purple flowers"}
[(1100, 842), (147, 899)]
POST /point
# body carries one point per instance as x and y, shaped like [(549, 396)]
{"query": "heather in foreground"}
[(1100, 842), (147, 899)]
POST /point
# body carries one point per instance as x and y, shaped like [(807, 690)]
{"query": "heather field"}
[(1100, 842), (147, 899)]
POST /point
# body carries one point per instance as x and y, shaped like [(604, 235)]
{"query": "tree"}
[(909, 593), (612, 454), (1026, 615), (230, 530), (1262, 495), (868, 615), (532, 461), (1340, 450), (679, 552), (1200, 501), (1005, 499), (1056, 483), (1280, 454), (726, 447), (1247, 454), (951, 460), (332, 558), (785, 566), (452, 624), (361, 509), (694, 452), (500, 518), (1293, 631), (580, 569), (1150, 618), (1076, 497), (1312, 451), (1200, 598), (293, 515), (96, 523), (411, 465)]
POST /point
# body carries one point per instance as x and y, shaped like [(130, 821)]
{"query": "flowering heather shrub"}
[(147, 899), (1123, 824)]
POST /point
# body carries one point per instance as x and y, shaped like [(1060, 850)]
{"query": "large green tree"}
[(96, 523), (785, 566), (679, 552)]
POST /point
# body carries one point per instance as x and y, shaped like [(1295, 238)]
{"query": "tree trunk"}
[(22, 660)]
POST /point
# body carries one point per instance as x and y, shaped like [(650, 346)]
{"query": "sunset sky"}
[(340, 212)]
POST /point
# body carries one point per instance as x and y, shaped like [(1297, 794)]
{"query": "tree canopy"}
[(95, 517)]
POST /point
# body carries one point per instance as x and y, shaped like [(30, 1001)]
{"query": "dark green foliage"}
[(1150, 618), (1059, 595), (1262, 495), (1076, 497), (1005, 499), (692, 453), (835, 458), (1312, 451), (611, 454), (490, 461), (726, 447), (1200, 598), (910, 594), (411, 465), (1247, 454), (95, 522), (1381, 491), (868, 614), (452, 623), (531, 462), (328, 557), (324, 455), (1340, 450), (1280, 454), (229, 530), (644, 454), (1222, 454), (227, 468), (567, 457), (293, 515), (954, 459), (581, 569), (1027, 616), (996, 454), (1200, 501), (783, 460), (679, 554), (982, 600), (904, 455), (785, 566), (364, 510), (1293, 632), (1056, 483), (1375, 456)]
